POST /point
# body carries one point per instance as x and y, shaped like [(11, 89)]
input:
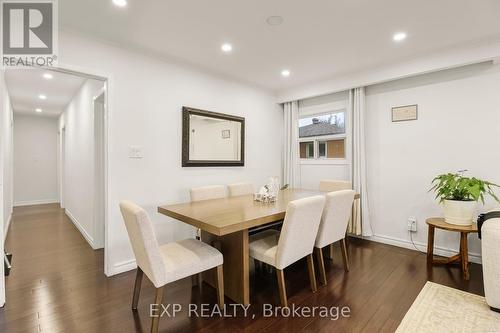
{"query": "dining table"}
[(225, 223)]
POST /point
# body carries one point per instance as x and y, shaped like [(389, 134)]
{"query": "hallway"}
[(57, 283)]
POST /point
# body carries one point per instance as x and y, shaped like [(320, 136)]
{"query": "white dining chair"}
[(207, 192), (333, 226), (169, 262), (334, 185), (328, 185), (295, 241), (238, 189)]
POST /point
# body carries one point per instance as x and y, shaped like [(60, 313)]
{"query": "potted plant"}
[(460, 195)]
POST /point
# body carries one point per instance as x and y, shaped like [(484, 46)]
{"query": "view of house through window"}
[(322, 136), (307, 149)]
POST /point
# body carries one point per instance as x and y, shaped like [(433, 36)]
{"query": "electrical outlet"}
[(412, 224)]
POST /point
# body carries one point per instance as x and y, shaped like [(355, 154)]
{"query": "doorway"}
[(80, 176)]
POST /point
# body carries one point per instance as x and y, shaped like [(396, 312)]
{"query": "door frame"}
[(62, 160), (99, 234), (108, 80)]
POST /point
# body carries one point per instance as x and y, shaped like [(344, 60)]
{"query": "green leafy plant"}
[(454, 186)]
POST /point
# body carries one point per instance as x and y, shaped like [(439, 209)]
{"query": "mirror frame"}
[(186, 161)]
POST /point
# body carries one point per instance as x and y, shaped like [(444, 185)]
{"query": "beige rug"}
[(443, 309)]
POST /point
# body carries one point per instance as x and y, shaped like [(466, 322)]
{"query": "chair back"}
[(240, 189), (338, 209), (144, 244), (207, 192), (299, 230), (334, 185)]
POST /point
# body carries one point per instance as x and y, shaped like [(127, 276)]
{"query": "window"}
[(322, 149), (331, 149), (320, 125), (307, 149), (323, 136)]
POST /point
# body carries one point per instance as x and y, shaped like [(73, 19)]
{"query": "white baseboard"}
[(35, 202), (438, 250), (84, 233), (122, 267)]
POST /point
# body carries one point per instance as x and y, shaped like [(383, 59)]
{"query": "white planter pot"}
[(459, 212)]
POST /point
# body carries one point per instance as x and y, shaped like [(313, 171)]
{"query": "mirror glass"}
[(214, 139)]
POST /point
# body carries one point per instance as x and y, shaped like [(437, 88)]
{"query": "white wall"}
[(7, 156), (35, 160), (313, 171), (458, 126), (78, 193), (6, 174), (146, 99)]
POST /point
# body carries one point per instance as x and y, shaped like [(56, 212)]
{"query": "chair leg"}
[(281, 286), (156, 315), (330, 251), (195, 280), (312, 275), (137, 288), (257, 264), (220, 286), (344, 254), (321, 264)]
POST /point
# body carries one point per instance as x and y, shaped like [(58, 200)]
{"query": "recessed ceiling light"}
[(226, 47), (38, 110), (274, 20), (41, 96), (400, 36), (285, 73), (48, 76), (120, 3)]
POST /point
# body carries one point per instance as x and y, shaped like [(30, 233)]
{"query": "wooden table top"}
[(224, 216), (440, 223)]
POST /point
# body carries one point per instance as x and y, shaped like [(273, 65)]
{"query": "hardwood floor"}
[(57, 284)]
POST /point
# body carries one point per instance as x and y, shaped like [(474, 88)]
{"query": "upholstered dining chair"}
[(237, 189), (295, 241), (166, 263), (333, 227), (206, 193), (334, 185)]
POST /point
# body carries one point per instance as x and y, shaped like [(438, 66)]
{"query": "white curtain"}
[(291, 171), (360, 223)]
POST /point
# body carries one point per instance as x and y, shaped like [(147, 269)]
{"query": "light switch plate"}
[(135, 152)]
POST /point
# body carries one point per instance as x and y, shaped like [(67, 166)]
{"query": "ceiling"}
[(317, 40), (25, 85)]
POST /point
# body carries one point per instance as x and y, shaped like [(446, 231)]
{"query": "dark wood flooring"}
[(57, 284)]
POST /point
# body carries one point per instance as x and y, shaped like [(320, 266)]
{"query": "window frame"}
[(316, 139)]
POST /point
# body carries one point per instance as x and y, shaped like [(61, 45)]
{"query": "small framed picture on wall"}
[(405, 113), (226, 134)]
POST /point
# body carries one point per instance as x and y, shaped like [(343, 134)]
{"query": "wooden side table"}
[(463, 256)]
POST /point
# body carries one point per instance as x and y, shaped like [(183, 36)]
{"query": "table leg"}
[(234, 248), (430, 245), (464, 253)]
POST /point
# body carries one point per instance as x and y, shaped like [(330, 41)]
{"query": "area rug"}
[(443, 309)]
